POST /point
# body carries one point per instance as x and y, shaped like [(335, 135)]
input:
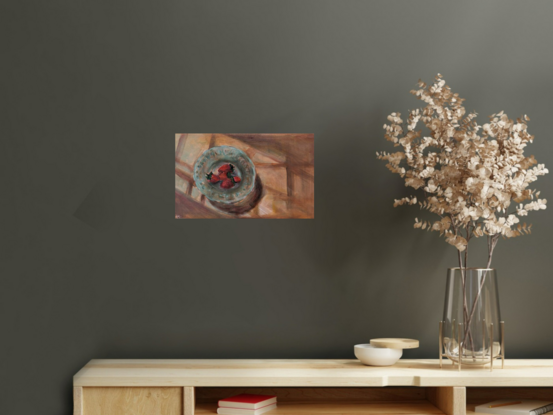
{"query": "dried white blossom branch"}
[(475, 178)]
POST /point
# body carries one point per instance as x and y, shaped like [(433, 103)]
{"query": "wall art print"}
[(250, 176)]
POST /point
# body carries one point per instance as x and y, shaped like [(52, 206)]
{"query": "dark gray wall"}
[(94, 264)]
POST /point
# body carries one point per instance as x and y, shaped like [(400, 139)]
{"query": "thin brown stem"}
[(491, 246), (467, 247), (465, 305)]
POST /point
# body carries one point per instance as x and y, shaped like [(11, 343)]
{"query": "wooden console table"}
[(331, 387)]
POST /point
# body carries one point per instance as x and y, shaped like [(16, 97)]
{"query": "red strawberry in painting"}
[(227, 184), (226, 168), (225, 176), (213, 178)]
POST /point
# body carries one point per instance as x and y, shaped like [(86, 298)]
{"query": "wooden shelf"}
[(410, 387), (415, 408), (332, 373)]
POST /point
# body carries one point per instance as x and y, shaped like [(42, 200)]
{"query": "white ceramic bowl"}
[(376, 356)]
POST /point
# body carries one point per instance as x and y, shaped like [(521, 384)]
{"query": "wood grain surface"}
[(307, 373), (133, 401), (418, 408), (189, 400), (482, 395), (212, 395), (450, 400)]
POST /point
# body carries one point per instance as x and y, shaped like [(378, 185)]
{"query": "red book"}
[(247, 401)]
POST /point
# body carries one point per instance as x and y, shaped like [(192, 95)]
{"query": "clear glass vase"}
[(471, 331)]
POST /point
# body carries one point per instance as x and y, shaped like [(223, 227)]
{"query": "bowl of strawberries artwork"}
[(224, 174)]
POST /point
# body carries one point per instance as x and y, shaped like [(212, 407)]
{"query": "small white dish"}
[(376, 356)]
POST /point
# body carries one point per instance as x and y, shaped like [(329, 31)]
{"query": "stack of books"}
[(247, 404), (515, 407)]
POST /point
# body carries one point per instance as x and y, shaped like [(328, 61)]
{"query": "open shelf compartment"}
[(479, 396), (345, 400)]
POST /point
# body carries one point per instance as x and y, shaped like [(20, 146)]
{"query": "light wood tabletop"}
[(307, 373)]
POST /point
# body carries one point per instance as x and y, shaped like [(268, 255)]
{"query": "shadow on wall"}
[(363, 246), (356, 206)]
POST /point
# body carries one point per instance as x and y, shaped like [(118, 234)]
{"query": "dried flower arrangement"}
[(475, 178)]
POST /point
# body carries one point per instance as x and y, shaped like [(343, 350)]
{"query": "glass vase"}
[(471, 332)]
